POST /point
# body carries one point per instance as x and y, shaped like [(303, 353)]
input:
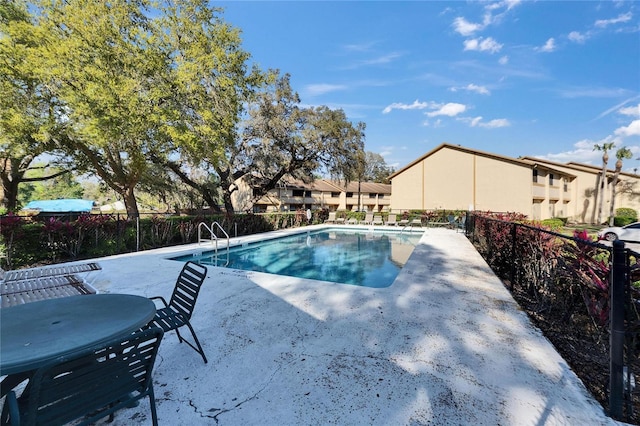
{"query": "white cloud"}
[(583, 153), (483, 45), (602, 23), (503, 60), (321, 89), (549, 46), (472, 88), (492, 124), (632, 129), (399, 105), (464, 27), (490, 18), (577, 37), (633, 111), (478, 89), (450, 109), (475, 121)]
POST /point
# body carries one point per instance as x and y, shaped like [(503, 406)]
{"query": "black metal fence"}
[(582, 294), (25, 241)]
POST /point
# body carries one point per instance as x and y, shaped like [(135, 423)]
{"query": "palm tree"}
[(620, 155), (600, 182)]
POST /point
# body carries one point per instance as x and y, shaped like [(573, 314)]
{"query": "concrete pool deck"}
[(445, 344)]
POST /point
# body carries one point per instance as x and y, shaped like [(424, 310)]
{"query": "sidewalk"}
[(445, 344)]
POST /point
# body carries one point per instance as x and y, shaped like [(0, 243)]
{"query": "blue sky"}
[(539, 78)]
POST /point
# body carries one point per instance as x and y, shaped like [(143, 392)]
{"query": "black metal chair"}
[(92, 384), (177, 313)]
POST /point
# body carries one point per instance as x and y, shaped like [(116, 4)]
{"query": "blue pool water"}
[(364, 258)]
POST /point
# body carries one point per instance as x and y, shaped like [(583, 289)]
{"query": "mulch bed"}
[(582, 345)]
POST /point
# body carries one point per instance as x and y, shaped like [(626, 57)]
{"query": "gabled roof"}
[(580, 166), (324, 185), (529, 162)]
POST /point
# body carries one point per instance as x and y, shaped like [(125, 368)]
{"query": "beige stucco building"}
[(291, 195), (458, 178)]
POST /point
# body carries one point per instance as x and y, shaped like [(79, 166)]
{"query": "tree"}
[(103, 62), (621, 154), (602, 178), (28, 110), (376, 169), (280, 138), (63, 185), (210, 84)]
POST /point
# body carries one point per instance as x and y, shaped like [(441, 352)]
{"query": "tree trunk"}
[(130, 203), (614, 183), (603, 180), (596, 193), (10, 177)]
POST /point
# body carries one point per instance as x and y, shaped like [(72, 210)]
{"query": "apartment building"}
[(455, 177), (291, 195)]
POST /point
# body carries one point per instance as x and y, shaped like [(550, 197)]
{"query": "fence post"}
[(513, 255), (616, 342)]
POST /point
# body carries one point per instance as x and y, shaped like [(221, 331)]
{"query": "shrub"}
[(627, 212), (554, 223), (623, 220)]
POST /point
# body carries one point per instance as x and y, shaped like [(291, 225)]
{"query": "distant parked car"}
[(629, 232)]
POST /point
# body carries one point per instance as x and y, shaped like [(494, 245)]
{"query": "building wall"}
[(407, 189), (317, 195), (454, 179), (584, 208)]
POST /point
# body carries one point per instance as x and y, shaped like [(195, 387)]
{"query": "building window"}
[(381, 196), (371, 195), (535, 175), (307, 194), (298, 193), (335, 194), (566, 185), (349, 194), (550, 179)]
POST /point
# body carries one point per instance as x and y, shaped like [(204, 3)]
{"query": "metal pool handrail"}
[(214, 237)]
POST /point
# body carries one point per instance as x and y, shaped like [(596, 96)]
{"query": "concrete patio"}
[(445, 344)]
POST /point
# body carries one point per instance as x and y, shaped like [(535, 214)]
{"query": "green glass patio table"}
[(35, 333)]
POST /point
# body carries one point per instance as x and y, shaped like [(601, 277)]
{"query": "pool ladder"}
[(214, 237)]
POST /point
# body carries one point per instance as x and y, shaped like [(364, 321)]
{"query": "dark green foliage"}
[(623, 220)]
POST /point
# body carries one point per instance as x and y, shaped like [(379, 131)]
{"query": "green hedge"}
[(623, 220)]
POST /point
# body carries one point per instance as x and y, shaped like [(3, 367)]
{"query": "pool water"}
[(365, 258)]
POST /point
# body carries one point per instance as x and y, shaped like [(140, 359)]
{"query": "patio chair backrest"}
[(112, 376), (187, 288)]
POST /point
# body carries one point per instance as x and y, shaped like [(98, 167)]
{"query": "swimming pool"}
[(359, 257)]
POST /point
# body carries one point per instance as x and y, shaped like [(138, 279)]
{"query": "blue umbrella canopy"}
[(60, 206)]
